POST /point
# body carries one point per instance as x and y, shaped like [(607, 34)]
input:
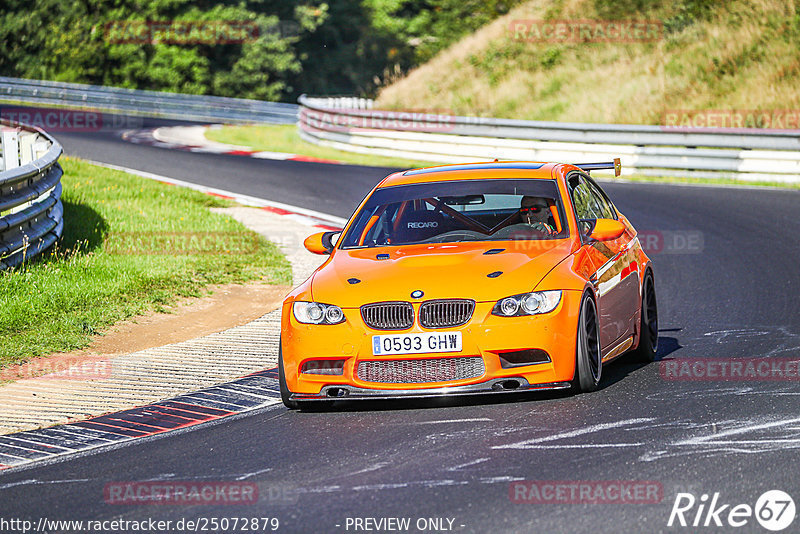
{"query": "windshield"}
[(451, 212)]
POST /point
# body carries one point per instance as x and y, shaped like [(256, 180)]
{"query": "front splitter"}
[(495, 386)]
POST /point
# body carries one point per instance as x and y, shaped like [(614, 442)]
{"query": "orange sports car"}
[(469, 279)]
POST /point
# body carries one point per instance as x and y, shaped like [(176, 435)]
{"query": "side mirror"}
[(321, 243), (606, 230)]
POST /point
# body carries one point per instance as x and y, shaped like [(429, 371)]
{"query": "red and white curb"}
[(256, 390), (154, 137), (251, 392), (303, 216)]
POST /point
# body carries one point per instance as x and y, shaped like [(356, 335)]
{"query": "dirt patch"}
[(227, 306)]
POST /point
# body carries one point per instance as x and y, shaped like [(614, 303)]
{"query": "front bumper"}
[(485, 336), (497, 385)]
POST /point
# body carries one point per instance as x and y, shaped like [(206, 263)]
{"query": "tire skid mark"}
[(535, 442), (729, 436)]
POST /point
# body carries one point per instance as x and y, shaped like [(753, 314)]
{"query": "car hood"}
[(441, 271)]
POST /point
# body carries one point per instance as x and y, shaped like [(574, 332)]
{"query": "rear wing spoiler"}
[(589, 167)]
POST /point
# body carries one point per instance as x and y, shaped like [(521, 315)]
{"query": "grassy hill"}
[(720, 55)]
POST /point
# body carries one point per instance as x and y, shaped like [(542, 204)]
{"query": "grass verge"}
[(130, 245), (284, 138)]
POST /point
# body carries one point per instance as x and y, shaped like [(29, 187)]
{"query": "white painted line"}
[(18, 457), (192, 139), (265, 154), (83, 433), (246, 200), (39, 443)]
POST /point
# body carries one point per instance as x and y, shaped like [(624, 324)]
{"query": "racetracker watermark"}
[(415, 121), (54, 120), (685, 120), (60, 368), (652, 241), (586, 492), (180, 493), (181, 243), (587, 31), (181, 32), (671, 241), (730, 370)]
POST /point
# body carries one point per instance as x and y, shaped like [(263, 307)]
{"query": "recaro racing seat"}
[(418, 225)]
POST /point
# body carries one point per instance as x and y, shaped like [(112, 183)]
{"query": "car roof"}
[(473, 171)]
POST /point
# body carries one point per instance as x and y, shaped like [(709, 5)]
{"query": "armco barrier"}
[(146, 103), (31, 214), (352, 124)]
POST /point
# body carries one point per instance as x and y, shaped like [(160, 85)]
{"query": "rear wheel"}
[(285, 393), (588, 365), (648, 324)]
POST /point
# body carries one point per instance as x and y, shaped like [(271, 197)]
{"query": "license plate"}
[(416, 343)]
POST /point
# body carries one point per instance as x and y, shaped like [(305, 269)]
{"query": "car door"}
[(610, 265)]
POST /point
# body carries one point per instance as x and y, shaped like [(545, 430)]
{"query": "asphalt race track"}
[(728, 288), (332, 189)]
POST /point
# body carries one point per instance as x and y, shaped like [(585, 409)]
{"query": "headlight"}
[(527, 304), (316, 313)]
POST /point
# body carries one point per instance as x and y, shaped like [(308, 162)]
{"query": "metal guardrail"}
[(352, 124), (31, 213), (146, 103)]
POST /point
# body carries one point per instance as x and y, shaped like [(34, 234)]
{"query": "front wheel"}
[(648, 324), (588, 364), (285, 393)]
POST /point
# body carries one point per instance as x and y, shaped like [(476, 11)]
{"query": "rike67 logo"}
[(774, 510)]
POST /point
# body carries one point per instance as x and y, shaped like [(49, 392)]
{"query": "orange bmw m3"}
[(470, 279)]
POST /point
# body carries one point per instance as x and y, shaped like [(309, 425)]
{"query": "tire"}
[(285, 393), (648, 323), (588, 364)]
